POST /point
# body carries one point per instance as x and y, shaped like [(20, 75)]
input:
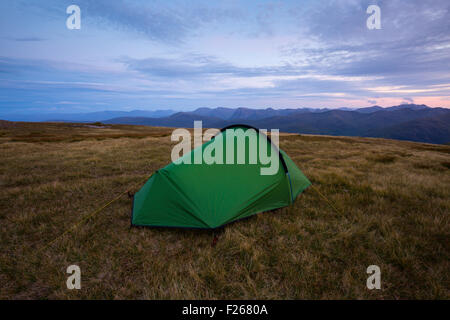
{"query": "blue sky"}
[(186, 54)]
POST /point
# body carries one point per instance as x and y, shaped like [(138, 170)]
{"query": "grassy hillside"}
[(394, 199)]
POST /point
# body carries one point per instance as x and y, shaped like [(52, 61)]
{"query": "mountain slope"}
[(390, 198), (369, 109), (179, 119), (432, 130)]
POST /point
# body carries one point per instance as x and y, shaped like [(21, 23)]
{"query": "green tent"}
[(211, 195)]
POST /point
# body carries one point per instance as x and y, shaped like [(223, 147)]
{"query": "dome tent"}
[(211, 195)]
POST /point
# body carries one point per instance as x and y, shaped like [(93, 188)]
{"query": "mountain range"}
[(84, 117), (405, 122)]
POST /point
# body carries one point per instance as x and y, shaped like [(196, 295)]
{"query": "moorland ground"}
[(392, 200)]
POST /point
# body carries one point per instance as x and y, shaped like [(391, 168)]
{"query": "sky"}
[(181, 55)]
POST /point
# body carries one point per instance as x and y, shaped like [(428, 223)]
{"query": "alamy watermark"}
[(74, 20), (74, 280), (374, 280), (374, 20), (235, 146)]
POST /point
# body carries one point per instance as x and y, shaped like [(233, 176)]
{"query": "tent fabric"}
[(211, 195)]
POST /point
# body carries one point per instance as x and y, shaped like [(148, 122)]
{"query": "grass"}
[(393, 198)]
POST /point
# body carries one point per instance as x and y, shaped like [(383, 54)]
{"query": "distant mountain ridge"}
[(87, 116), (220, 112), (405, 122)]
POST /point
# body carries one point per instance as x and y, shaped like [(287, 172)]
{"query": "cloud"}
[(208, 52), (408, 100), (155, 23), (26, 39), (414, 40), (168, 22)]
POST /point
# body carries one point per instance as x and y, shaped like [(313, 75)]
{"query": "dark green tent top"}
[(211, 195)]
